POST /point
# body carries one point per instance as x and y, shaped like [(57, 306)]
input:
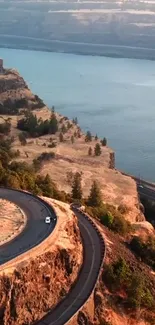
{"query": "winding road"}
[(36, 230)]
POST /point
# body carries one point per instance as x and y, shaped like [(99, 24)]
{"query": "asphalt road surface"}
[(36, 229), (94, 251), (146, 191)]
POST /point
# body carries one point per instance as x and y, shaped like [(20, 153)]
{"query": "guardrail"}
[(103, 245), (138, 180), (102, 242), (44, 203)]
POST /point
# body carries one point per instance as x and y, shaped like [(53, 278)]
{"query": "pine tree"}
[(75, 120), (97, 150), (53, 124), (61, 138), (76, 187), (96, 137), (95, 197), (53, 109), (104, 142), (90, 151), (72, 139), (88, 137)]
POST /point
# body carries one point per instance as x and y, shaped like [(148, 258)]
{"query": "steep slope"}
[(15, 94), (71, 154)]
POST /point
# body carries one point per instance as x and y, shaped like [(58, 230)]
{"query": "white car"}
[(47, 220)]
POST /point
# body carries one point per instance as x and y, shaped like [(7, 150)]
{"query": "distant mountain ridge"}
[(121, 23)]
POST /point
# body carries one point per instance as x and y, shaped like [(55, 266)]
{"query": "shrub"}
[(119, 276), (37, 127), (104, 142), (145, 250), (52, 145), (123, 209), (5, 128), (22, 139), (97, 150), (90, 151), (88, 137)]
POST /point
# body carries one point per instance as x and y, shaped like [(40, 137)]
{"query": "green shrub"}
[(145, 250), (119, 276)]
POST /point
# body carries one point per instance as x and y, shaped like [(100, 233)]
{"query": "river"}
[(112, 97)]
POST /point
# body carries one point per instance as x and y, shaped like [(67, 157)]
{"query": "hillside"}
[(111, 303), (42, 151), (70, 154), (31, 284)]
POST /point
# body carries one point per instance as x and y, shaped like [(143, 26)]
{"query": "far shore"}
[(77, 48)]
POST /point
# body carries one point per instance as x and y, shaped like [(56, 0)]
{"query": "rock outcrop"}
[(15, 94)]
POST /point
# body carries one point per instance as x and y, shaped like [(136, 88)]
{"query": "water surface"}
[(111, 97)]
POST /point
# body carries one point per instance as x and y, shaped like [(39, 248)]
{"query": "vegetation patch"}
[(37, 127), (129, 286), (144, 250)]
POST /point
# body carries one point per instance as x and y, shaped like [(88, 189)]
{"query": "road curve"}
[(36, 229), (94, 253)]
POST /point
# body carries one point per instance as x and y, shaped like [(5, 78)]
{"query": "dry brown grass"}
[(116, 188), (62, 237), (12, 221)]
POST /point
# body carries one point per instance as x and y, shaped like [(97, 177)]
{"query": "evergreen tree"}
[(90, 151), (76, 187), (88, 137), (97, 150), (96, 137), (75, 120), (61, 138), (53, 124), (72, 139), (104, 142), (95, 196), (22, 139)]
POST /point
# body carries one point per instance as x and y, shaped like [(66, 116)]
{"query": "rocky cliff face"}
[(15, 94), (33, 286)]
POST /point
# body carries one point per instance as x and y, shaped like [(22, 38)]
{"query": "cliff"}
[(15, 94), (38, 272), (70, 156), (31, 284)]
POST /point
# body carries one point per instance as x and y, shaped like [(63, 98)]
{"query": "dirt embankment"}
[(33, 286)]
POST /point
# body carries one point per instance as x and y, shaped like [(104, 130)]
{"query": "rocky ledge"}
[(15, 94)]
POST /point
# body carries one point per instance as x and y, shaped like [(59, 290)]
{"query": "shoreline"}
[(77, 48)]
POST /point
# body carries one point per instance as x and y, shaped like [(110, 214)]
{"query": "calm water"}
[(111, 97)]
